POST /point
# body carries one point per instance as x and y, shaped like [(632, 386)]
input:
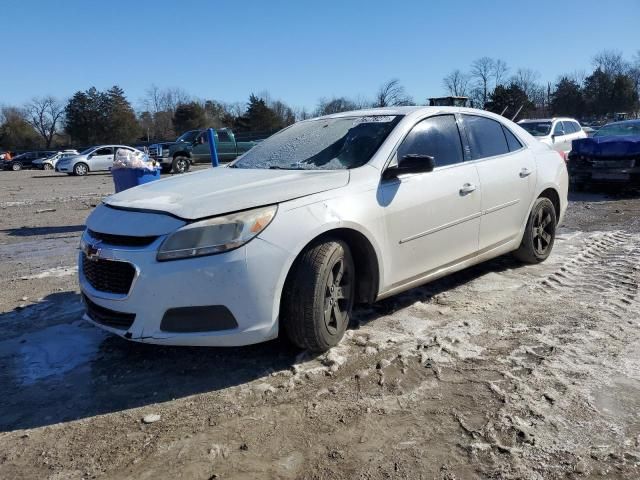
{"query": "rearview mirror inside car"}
[(411, 163)]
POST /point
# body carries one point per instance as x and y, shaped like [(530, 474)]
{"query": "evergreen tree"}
[(189, 116), (122, 126), (598, 90), (510, 98), (567, 99), (258, 117)]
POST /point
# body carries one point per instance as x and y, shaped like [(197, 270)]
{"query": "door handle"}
[(525, 172), (467, 188)]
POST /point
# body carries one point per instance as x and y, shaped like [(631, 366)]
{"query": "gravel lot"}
[(500, 371)]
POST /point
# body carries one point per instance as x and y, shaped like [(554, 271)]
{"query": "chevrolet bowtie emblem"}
[(93, 251)]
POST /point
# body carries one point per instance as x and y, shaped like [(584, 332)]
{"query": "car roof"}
[(528, 120), (409, 110)]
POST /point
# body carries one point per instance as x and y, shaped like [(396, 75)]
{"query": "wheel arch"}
[(181, 153), (553, 195), (365, 257)]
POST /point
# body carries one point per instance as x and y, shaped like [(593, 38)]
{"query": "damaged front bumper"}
[(227, 299), (584, 170)]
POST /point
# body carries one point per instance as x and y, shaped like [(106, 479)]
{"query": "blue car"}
[(612, 155)]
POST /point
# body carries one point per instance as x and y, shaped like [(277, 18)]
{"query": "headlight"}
[(216, 235)]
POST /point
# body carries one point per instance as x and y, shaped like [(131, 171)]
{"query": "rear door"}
[(432, 219), (507, 173), (101, 159), (226, 146)]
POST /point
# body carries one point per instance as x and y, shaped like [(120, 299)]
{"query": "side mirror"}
[(411, 163)]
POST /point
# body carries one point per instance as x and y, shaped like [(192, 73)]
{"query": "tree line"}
[(613, 86), (92, 116)]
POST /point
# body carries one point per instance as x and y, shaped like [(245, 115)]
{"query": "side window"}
[(486, 137), (576, 127), (223, 136), (568, 127), (558, 129), (104, 151), (512, 141), (435, 136)]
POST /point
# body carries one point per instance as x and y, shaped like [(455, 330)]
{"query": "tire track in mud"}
[(606, 273)]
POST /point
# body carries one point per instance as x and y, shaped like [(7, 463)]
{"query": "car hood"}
[(608, 146), (221, 190)]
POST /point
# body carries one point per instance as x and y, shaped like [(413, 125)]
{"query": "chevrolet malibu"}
[(330, 212)]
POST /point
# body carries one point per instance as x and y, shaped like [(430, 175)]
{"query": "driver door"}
[(560, 136), (432, 219), (201, 152), (101, 159)]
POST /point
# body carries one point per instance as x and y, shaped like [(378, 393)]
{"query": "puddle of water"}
[(55, 350)]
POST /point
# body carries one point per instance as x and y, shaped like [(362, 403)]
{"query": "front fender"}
[(292, 230)]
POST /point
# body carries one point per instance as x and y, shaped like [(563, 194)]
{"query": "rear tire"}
[(539, 234), (16, 166), (318, 296), (180, 164)]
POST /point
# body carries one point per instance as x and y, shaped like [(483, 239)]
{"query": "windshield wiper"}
[(278, 167)]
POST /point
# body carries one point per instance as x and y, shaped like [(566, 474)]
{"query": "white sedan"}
[(333, 211)]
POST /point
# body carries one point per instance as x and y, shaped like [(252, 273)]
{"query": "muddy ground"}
[(500, 371)]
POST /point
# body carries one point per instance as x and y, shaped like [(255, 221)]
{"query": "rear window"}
[(486, 137), (512, 140)]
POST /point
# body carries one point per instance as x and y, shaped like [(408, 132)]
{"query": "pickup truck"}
[(193, 147)]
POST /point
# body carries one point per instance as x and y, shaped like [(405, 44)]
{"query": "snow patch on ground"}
[(54, 350), (53, 272)]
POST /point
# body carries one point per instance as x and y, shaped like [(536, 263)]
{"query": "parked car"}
[(558, 133), (93, 159), (333, 211), (193, 147), (612, 155), (49, 163), (24, 160)]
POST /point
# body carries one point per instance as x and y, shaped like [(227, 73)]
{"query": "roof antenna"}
[(514, 117)]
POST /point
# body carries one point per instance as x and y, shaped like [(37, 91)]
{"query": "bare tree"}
[(610, 62), (527, 80), (500, 70), (456, 83), (482, 72), (392, 94), (44, 115), (164, 99), (577, 76)]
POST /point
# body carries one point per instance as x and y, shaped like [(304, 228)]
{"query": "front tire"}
[(47, 166), (16, 166), (318, 296), (80, 169), (180, 164), (540, 233)]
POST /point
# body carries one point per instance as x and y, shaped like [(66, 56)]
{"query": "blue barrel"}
[(124, 178)]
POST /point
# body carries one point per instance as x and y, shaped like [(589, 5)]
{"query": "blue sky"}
[(300, 50)]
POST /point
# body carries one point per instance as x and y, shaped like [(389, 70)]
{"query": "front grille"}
[(108, 275), (122, 240), (110, 318), (613, 163)]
